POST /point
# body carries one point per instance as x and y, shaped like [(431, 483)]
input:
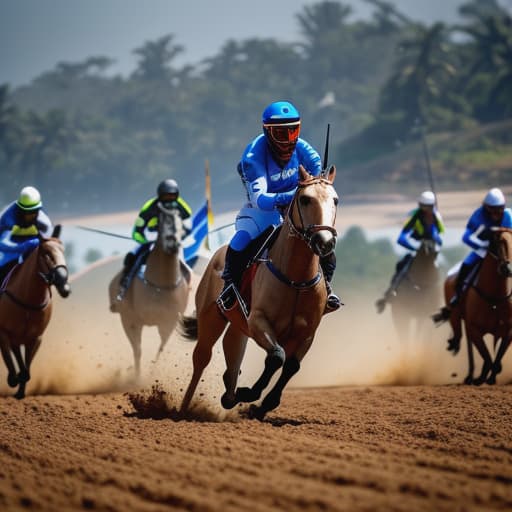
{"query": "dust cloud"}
[(85, 350)]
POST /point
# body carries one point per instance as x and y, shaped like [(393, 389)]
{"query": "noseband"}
[(304, 232)]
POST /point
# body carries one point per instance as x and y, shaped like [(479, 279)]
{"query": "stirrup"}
[(227, 297)]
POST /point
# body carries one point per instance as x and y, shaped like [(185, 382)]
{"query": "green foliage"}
[(94, 143)]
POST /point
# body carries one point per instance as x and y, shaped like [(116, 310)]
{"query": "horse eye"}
[(305, 200), (335, 201)]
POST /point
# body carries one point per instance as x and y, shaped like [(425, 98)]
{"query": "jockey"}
[(269, 170), (424, 223), (21, 222), (168, 195), (492, 213)]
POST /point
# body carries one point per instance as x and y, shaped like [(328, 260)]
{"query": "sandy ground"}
[(371, 422)]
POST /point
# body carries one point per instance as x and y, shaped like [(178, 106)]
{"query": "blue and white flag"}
[(198, 234)]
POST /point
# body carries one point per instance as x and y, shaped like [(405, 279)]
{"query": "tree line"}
[(93, 142)]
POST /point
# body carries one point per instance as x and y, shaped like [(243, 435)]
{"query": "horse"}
[(288, 298), (485, 308), (418, 293), (26, 305), (158, 296)]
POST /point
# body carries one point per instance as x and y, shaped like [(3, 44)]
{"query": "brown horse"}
[(418, 293), (160, 296), (486, 308), (288, 297), (26, 305)]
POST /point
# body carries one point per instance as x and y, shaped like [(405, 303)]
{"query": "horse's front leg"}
[(234, 344), (5, 347), (496, 366), (264, 335), (487, 361), (471, 362), (31, 347)]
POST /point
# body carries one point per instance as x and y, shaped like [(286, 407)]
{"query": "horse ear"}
[(56, 231), (331, 173), (304, 175)]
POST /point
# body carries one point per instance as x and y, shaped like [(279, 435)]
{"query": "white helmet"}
[(494, 197), (29, 199), (427, 198)]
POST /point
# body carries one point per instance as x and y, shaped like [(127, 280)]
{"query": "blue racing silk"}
[(269, 185), (10, 251), (475, 235), (417, 229), (11, 221)]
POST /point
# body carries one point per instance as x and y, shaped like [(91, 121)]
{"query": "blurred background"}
[(99, 101)]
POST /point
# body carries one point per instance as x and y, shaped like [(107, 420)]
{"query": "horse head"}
[(428, 249), (312, 212), (52, 263), (500, 247), (170, 229)]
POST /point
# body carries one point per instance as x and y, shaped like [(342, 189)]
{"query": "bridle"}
[(304, 232)]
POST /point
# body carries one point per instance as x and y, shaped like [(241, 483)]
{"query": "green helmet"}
[(29, 199)]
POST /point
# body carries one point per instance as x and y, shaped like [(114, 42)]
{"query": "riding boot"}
[(401, 270), (446, 311), (234, 266), (328, 265)]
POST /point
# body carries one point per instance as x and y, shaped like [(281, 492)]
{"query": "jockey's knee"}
[(240, 240)]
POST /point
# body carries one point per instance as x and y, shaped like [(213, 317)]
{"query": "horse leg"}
[(202, 355), (12, 378), (164, 330), (264, 335), (234, 344), (273, 399), (471, 362), (31, 347), (496, 367), (134, 333), (487, 364), (454, 341)]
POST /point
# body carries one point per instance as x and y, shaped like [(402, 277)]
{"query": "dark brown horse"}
[(26, 306), (160, 296), (418, 294), (288, 297), (485, 308)]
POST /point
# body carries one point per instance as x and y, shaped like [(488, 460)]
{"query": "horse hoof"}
[(246, 395), (256, 413), (478, 381), (19, 395), (468, 380), (491, 380), (12, 380), (226, 402)]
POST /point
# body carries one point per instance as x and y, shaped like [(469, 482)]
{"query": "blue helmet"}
[(279, 112), (281, 126)]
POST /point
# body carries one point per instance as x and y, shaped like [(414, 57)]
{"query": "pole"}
[(326, 150), (101, 232)]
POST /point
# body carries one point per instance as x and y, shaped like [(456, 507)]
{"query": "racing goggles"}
[(495, 210), (284, 133)]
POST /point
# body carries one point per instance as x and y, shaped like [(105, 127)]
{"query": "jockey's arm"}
[(44, 224), (145, 220), (406, 240), (472, 238)]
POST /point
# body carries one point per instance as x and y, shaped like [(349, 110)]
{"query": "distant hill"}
[(476, 158)]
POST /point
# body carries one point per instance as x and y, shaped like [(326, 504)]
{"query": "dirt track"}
[(388, 431), (391, 448)]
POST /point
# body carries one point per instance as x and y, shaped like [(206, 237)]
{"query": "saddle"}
[(260, 246)]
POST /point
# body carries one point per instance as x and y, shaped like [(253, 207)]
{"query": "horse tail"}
[(188, 327)]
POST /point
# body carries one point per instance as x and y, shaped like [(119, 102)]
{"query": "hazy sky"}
[(36, 34)]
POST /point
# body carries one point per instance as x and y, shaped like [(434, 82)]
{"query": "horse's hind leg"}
[(12, 378), (164, 330), (209, 330), (471, 362), (273, 399), (234, 344)]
